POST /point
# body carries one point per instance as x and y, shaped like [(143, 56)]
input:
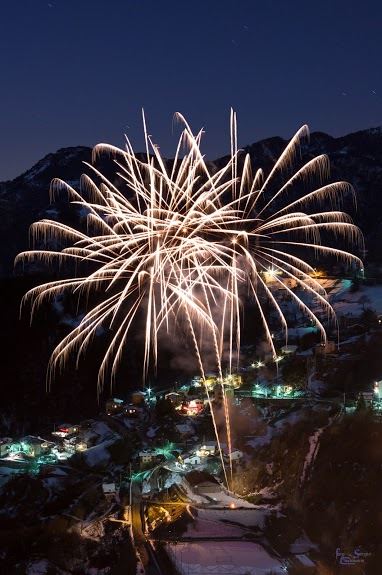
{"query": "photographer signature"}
[(356, 556)]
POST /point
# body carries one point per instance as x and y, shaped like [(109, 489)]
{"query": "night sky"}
[(76, 72)]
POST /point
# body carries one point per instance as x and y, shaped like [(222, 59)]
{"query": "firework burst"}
[(181, 242)]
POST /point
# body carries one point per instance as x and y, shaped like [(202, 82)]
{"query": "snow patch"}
[(99, 454), (39, 567), (214, 558)]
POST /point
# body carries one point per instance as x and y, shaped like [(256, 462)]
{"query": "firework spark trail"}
[(180, 242), (201, 367)]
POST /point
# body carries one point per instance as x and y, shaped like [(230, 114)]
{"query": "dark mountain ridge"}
[(356, 158)]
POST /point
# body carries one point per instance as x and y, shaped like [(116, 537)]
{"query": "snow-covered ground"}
[(261, 440), (219, 497), (38, 567), (253, 517), (312, 451), (348, 303), (223, 498), (218, 558), (196, 499), (99, 454), (202, 527), (102, 430), (344, 301), (275, 428), (222, 508), (152, 430), (297, 332), (314, 445), (173, 479), (6, 473), (302, 545)]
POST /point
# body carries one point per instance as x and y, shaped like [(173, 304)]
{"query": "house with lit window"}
[(109, 489), (236, 455), (192, 406), (5, 446), (192, 459), (148, 457), (66, 429), (176, 398), (207, 448), (35, 446), (131, 410), (114, 405)]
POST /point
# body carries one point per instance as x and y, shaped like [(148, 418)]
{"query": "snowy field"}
[(212, 528), (228, 558), (224, 498), (346, 302), (219, 498), (353, 304), (99, 454), (253, 517)]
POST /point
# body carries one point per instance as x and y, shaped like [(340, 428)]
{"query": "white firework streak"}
[(181, 240)]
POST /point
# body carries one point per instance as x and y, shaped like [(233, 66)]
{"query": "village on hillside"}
[(148, 466)]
